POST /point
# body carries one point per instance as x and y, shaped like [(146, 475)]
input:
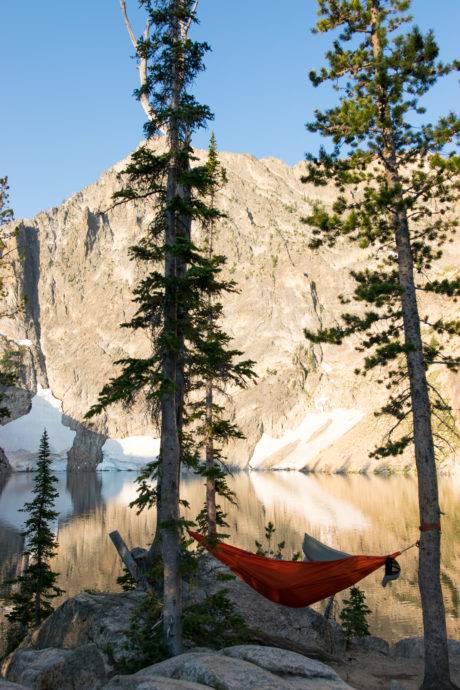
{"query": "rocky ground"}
[(82, 644)]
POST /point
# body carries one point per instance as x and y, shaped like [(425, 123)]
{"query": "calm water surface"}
[(369, 515)]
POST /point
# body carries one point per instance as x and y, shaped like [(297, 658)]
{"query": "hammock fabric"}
[(294, 583)]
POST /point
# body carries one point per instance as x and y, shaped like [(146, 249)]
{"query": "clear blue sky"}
[(66, 109)]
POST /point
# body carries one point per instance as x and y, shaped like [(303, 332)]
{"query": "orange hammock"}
[(294, 583)]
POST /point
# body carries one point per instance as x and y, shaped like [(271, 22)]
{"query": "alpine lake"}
[(359, 514)]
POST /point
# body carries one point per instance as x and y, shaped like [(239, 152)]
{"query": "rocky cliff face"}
[(307, 408)]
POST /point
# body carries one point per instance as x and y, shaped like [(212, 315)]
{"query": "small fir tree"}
[(397, 182), (272, 550), (354, 615), (217, 368), (36, 587)]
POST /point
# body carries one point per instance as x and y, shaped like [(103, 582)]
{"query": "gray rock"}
[(301, 672), (99, 618), (103, 619), (372, 643), (139, 682), (215, 671), (396, 685), (281, 662), (5, 467), (86, 451), (414, 648), (6, 685), (56, 669)]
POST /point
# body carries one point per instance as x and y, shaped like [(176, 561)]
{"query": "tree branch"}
[(185, 28), (142, 66)]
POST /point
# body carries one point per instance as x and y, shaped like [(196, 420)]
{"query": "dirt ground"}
[(365, 670)]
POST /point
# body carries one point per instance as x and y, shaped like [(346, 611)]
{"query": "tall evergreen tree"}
[(177, 304), (36, 587), (219, 366), (404, 181)]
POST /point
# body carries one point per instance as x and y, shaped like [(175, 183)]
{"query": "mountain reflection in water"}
[(358, 514)]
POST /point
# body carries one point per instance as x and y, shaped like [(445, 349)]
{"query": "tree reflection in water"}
[(358, 514)]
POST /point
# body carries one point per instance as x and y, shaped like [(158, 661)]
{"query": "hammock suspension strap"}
[(416, 543), (429, 526)]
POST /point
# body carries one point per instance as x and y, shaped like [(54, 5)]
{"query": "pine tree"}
[(404, 181), (354, 615), (36, 587), (176, 305), (222, 365)]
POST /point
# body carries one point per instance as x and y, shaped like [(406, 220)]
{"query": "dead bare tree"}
[(142, 67), (142, 61)]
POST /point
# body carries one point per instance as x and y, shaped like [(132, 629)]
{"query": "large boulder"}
[(288, 665), (371, 643), (56, 669), (147, 682), (99, 618), (414, 648), (216, 671), (104, 618), (237, 668)]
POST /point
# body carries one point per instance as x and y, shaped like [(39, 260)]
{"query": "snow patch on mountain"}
[(298, 448), (130, 453), (20, 439)]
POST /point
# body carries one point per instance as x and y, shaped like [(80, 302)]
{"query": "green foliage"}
[(144, 639), (212, 623), (36, 587), (270, 550), (354, 615), (126, 581), (215, 623), (6, 213), (189, 562), (207, 417), (395, 177)]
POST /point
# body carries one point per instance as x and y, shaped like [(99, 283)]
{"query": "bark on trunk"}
[(437, 674), (168, 508), (209, 400), (210, 481), (168, 505)]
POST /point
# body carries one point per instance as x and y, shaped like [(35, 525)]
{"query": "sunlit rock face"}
[(307, 408)]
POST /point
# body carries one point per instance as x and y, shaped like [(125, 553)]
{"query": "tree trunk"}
[(168, 505), (210, 481), (168, 508), (38, 595), (437, 674)]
